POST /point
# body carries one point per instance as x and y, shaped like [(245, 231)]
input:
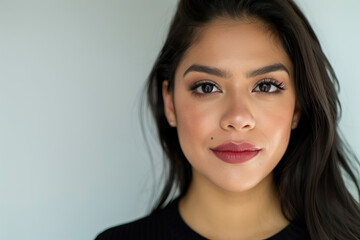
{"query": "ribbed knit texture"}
[(167, 224)]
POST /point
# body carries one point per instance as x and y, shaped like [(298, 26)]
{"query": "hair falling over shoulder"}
[(310, 176)]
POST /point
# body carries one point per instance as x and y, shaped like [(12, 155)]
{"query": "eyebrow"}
[(206, 69), (224, 74), (267, 69)]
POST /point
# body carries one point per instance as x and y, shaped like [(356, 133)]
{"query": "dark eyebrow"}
[(268, 69), (209, 70), (221, 73)]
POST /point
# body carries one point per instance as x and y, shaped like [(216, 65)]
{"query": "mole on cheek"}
[(212, 138)]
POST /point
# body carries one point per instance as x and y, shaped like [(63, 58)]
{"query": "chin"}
[(237, 186)]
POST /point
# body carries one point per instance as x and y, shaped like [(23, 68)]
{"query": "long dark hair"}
[(309, 177)]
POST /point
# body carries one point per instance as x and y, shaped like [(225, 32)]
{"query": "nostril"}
[(239, 126)]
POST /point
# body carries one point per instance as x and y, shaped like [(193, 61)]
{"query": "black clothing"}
[(167, 224)]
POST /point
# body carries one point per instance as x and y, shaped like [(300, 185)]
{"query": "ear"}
[(296, 116), (168, 104)]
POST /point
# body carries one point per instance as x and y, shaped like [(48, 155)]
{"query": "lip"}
[(235, 153)]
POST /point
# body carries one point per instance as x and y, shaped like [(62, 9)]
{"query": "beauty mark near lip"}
[(235, 153)]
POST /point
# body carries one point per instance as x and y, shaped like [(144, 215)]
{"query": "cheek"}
[(194, 122), (276, 127)]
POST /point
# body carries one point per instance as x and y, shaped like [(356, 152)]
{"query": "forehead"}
[(236, 46)]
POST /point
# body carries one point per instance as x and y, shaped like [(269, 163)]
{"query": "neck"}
[(218, 214)]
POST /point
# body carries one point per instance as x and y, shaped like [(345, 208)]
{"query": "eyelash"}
[(279, 85), (202, 83)]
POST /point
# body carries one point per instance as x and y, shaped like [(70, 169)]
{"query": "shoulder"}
[(150, 225), (153, 226)]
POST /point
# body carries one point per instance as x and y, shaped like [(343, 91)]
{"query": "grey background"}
[(73, 159)]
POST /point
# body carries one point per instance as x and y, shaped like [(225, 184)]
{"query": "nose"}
[(237, 114)]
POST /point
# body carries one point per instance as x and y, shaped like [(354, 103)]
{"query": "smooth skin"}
[(232, 95)]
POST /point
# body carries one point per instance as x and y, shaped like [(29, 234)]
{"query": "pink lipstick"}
[(235, 153)]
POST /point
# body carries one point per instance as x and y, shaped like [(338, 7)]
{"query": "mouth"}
[(235, 153)]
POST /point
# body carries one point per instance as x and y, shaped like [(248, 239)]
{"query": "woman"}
[(246, 108)]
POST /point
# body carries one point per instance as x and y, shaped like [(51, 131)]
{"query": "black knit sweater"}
[(167, 224)]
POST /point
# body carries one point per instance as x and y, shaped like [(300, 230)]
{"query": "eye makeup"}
[(264, 86)]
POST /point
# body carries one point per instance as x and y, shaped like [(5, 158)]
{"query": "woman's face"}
[(233, 86)]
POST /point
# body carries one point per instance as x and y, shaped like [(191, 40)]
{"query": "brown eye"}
[(205, 88), (269, 86), (266, 87)]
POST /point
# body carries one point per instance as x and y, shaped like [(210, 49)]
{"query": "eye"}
[(269, 86), (202, 88)]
